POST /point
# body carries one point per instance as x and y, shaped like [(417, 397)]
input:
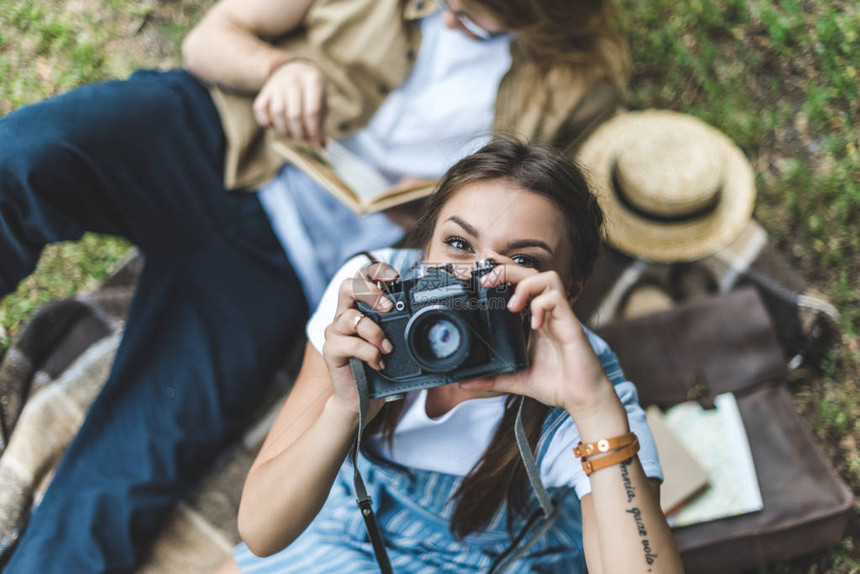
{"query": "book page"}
[(365, 181), (311, 160), (718, 440), (359, 185)]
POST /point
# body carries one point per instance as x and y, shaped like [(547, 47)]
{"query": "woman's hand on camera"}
[(293, 101), (351, 334), (564, 370)]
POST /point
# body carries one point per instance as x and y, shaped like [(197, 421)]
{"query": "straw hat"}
[(672, 187)]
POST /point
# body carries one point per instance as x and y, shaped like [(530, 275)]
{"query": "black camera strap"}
[(549, 510), (531, 466), (365, 504)]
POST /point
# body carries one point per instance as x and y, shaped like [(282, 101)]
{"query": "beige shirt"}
[(366, 48)]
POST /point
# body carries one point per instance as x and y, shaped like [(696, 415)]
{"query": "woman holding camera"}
[(450, 490)]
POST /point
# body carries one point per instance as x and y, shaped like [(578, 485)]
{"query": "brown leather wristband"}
[(603, 445), (616, 457)]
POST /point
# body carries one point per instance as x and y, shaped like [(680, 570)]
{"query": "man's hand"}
[(293, 102)]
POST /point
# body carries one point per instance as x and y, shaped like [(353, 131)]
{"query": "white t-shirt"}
[(444, 109), (442, 112), (454, 442)]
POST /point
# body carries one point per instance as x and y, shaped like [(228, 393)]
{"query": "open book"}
[(349, 178)]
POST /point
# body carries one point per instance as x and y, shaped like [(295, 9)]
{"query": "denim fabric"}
[(216, 307), (414, 509)]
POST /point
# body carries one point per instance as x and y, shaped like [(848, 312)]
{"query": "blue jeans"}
[(216, 308)]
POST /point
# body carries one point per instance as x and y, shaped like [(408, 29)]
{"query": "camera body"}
[(445, 329)]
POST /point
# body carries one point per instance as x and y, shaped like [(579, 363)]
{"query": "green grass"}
[(49, 47), (780, 77), (43, 38), (63, 270)]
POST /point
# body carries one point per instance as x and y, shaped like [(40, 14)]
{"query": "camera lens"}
[(443, 339), (438, 339)]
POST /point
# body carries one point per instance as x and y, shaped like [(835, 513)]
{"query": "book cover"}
[(683, 476), (353, 181)]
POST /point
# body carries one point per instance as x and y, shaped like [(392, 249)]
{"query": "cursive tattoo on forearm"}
[(630, 490), (628, 485)]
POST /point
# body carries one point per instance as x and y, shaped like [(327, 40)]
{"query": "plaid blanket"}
[(61, 359), (48, 380)]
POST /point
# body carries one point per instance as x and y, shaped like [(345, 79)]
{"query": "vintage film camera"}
[(444, 330)]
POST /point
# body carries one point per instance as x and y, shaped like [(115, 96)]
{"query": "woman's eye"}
[(458, 243), (526, 261)]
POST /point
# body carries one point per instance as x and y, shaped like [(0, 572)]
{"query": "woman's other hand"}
[(351, 334), (564, 370), (293, 101)]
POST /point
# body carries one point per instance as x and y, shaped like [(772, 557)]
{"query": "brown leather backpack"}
[(727, 343)]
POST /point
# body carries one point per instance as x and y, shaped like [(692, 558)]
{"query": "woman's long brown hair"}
[(544, 171)]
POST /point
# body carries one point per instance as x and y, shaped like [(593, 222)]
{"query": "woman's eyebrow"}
[(466, 227), (521, 243)]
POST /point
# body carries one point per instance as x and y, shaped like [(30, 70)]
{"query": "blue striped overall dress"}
[(414, 508)]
